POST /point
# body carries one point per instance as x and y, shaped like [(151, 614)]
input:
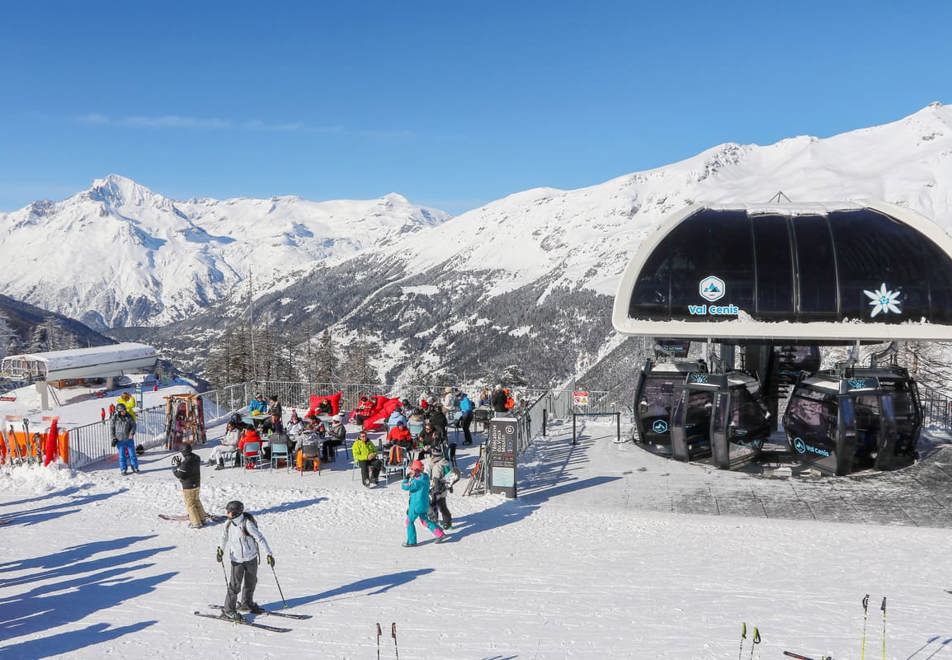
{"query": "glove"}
[(271, 561), (219, 553), (115, 442)]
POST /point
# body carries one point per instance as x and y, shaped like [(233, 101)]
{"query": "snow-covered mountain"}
[(529, 278), (119, 254)]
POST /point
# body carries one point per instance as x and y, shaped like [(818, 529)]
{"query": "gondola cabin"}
[(721, 415), (654, 398), (857, 419)]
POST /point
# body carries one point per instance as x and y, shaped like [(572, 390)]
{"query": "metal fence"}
[(93, 442), (936, 409)]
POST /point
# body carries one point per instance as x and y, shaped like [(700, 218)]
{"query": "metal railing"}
[(936, 409), (93, 442)]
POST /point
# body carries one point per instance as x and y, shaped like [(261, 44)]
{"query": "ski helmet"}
[(186, 448), (417, 466), (235, 507)]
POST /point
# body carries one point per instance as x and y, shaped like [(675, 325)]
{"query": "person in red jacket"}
[(250, 435), (400, 440)]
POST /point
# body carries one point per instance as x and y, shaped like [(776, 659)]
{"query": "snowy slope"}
[(575, 568), (119, 254)]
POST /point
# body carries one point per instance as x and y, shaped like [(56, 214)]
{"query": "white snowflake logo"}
[(883, 300)]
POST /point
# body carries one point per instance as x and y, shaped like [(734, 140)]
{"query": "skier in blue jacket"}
[(466, 407), (418, 485)]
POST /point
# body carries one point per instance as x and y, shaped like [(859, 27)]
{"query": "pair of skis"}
[(393, 633), (254, 624), (755, 640), (862, 651)]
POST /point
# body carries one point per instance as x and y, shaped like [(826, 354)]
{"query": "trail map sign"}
[(580, 398), (501, 435)]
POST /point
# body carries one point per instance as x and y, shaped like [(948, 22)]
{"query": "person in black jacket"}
[(336, 436), (437, 418), (188, 470)]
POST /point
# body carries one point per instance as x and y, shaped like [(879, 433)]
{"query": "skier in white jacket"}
[(241, 541)]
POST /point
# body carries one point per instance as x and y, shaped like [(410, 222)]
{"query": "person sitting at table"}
[(336, 437), (316, 425), (429, 438), (250, 435), (272, 424), (294, 429), (309, 449), (274, 407), (227, 445), (396, 417), (399, 439), (325, 407), (485, 398), (258, 405)]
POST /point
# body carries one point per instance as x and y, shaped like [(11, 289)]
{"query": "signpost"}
[(501, 434), (580, 398)]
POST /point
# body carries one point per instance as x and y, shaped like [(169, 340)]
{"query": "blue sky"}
[(450, 103)]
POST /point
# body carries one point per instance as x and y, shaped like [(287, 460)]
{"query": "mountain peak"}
[(118, 190)]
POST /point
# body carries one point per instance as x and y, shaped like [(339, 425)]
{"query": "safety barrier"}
[(92, 443)]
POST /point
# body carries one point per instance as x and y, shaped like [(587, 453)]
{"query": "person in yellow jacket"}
[(365, 453), (129, 401)]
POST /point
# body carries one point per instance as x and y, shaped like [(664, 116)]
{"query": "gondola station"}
[(763, 289)]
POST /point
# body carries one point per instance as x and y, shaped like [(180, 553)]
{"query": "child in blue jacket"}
[(418, 485)]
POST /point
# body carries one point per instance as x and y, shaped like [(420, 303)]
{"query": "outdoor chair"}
[(400, 464), (279, 452), (309, 453), (251, 456)]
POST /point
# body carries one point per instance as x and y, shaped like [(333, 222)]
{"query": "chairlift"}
[(839, 421)]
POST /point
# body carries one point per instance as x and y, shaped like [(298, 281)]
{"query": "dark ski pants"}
[(369, 471), (247, 571), (439, 505), (465, 422)]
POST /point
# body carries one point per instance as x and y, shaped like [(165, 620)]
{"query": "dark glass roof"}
[(856, 264)]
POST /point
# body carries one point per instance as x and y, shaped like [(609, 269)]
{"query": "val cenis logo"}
[(711, 288), (659, 426)]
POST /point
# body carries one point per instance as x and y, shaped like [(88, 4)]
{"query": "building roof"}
[(95, 362), (830, 271)]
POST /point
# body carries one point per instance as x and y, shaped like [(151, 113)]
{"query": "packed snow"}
[(591, 561)]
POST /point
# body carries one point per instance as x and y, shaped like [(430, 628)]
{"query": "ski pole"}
[(754, 642), (379, 633), (743, 636), (883, 608), (393, 633), (862, 648), (279, 587), (224, 574)]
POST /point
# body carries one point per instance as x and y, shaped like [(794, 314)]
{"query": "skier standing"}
[(442, 478), (123, 430), (241, 540), (188, 470), (418, 485)]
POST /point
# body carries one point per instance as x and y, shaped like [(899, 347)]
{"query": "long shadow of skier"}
[(513, 511), (289, 506), (107, 582), (52, 511), (64, 643), (72, 554), (57, 493), (373, 586)]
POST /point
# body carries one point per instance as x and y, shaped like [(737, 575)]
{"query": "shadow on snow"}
[(373, 585), (80, 587)]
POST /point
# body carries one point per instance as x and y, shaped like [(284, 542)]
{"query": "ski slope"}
[(591, 561)]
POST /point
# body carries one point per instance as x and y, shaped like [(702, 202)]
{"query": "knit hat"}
[(186, 448), (416, 466)]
